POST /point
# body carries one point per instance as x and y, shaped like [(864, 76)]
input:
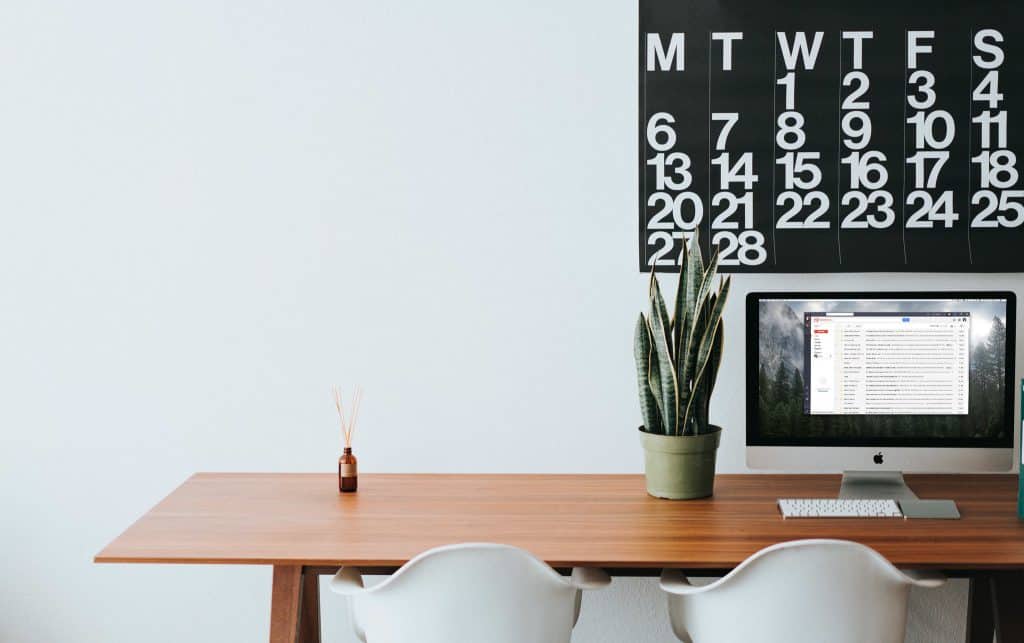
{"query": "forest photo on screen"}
[(780, 379)]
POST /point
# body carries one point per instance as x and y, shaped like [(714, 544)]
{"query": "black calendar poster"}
[(832, 136)]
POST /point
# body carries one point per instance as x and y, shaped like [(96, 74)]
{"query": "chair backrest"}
[(469, 593), (808, 591)]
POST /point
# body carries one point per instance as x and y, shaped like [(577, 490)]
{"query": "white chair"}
[(468, 593), (805, 591)]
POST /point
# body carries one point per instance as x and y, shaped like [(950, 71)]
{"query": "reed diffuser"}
[(348, 478)]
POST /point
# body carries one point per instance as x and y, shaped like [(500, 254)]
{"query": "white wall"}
[(211, 211)]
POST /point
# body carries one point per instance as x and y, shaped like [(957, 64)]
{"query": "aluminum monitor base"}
[(875, 484)]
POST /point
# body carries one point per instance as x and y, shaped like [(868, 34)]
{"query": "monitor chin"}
[(817, 459)]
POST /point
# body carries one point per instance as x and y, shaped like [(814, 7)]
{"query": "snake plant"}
[(677, 356)]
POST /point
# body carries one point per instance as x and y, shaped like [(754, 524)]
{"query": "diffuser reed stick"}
[(347, 475), (348, 425)]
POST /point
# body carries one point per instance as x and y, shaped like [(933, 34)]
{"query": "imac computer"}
[(873, 384)]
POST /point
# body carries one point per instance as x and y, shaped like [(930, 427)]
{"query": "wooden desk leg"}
[(309, 609), (1008, 593), (295, 605), (994, 606), (285, 601), (980, 611)]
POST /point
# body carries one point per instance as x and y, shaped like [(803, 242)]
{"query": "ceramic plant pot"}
[(680, 467)]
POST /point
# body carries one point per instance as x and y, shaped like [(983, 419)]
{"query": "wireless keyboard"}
[(839, 508)]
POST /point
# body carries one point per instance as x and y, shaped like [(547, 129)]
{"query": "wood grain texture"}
[(600, 520), (309, 607), (285, 603)]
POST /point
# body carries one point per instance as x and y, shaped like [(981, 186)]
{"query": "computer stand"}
[(875, 484), (890, 484)]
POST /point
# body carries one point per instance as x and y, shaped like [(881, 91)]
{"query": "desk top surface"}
[(567, 520)]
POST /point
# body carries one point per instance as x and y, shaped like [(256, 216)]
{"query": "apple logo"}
[(878, 458)]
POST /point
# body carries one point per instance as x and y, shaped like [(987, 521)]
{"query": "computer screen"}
[(880, 369)]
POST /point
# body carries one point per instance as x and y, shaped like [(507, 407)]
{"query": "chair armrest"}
[(589, 578), (347, 581), (924, 578), (674, 581), (586, 578)]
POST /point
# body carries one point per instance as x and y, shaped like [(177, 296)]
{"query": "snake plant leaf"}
[(705, 347), (654, 383), (693, 414), (715, 359), (705, 311), (660, 310), (719, 346), (699, 316), (660, 335), (697, 422), (707, 280), (688, 361), (694, 274), (679, 314), (681, 331), (690, 289), (714, 365), (642, 353)]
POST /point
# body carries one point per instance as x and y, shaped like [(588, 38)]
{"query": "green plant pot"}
[(680, 467)]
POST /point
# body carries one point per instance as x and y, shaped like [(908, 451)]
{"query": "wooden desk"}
[(302, 526)]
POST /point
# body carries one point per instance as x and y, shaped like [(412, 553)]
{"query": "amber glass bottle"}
[(348, 479)]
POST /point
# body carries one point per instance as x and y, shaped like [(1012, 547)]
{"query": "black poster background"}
[(750, 89)]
